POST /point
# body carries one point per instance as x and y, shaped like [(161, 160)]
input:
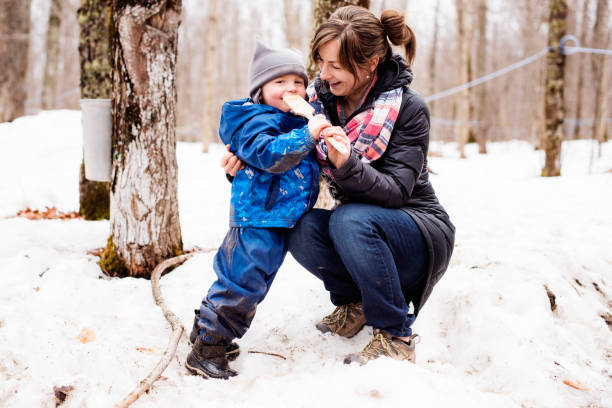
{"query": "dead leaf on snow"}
[(47, 214), (86, 336), (61, 393), (575, 384)]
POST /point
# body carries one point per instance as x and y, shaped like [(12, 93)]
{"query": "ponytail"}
[(399, 33), (363, 36)]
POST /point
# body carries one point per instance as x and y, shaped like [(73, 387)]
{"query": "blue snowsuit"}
[(277, 186)]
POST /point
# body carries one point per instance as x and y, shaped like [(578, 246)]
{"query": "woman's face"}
[(341, 81)]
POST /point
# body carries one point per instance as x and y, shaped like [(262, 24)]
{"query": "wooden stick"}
[(268, 354), (177, 331), (301, 107)]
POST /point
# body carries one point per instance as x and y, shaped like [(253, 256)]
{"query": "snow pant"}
[(246, 265), (365, 253)]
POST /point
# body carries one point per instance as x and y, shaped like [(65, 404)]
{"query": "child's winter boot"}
[(232, 350), (209, 361)]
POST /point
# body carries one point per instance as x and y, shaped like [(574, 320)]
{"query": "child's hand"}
[(231, 163), (317, 124)]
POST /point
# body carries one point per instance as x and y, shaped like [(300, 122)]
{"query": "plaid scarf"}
[(368, 131)]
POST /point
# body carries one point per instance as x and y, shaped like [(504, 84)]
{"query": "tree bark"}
[(463, 98), (481, 91), (145, 227), (14, 44), (555, 109), (49, 94), (323, 9), (432, 57), (600, 71), (208, 127), (94, 56), (584, 31)]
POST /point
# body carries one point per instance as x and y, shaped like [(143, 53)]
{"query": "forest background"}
[(523, 315), (216, 39)]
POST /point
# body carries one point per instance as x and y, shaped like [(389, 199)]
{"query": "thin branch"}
[(268, 354), (177, 332)]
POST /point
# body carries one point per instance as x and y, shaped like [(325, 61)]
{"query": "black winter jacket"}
[(399, 178)]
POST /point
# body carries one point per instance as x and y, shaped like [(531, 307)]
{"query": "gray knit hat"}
[(269, 63)]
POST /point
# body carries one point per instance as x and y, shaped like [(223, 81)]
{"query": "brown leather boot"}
[(345, 321), (383, 344)]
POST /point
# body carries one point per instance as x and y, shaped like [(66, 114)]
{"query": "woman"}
[(389, 241)]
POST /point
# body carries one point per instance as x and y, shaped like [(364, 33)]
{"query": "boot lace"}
[(380, 344), (338, 315)]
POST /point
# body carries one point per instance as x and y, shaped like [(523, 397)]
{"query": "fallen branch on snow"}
[(177, 331), (268, 354)]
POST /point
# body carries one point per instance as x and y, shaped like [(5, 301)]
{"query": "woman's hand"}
[(231, 163), (336, 157), (317, 124)]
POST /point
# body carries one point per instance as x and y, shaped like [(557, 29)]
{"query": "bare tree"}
[(94, 55), (530, 110), (481, 91), (601, 36), (208, 127), (464, 40), (432, 57), (555, 109), (323, 9), (49, 94), (14, 42), (584, 31), (292, 24), (145, 227)]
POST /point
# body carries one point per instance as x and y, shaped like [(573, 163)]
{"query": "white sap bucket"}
[(96, 120)]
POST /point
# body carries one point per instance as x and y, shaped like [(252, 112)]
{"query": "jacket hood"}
[(392, 73), (235, 114)]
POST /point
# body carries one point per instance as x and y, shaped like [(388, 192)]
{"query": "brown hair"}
[(363, 36)]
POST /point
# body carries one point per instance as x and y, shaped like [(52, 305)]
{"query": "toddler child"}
[(278, 185)]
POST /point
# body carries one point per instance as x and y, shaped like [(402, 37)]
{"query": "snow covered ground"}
[(489, 336)]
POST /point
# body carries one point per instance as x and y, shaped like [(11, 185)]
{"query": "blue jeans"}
[(365, 253), (246, 265)]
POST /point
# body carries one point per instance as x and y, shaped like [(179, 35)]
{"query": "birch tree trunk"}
[(463, 98), (323, 9), (145, 227), (481, 90), (555, 110), (94, 56), (14, 43), (601, 36), (208, 127), (584, 30), (49, 93)]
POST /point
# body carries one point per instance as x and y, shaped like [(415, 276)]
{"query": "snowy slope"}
[(489, 336)]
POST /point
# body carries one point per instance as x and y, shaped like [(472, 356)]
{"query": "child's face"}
[(273, 91)]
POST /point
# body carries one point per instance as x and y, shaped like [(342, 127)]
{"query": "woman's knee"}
[(313, 226), (351, 220)]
